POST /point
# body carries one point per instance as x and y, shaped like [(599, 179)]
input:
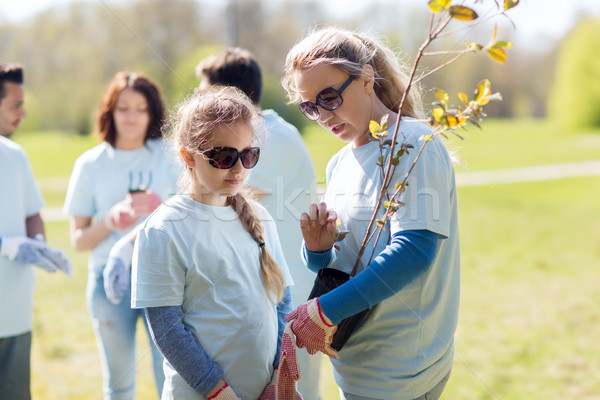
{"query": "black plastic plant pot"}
[(328, 279)]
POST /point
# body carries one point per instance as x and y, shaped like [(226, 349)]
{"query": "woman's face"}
[(213, 185), (350, 121), (132, 118)]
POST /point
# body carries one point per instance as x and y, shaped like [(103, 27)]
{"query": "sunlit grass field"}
[(529, 319)]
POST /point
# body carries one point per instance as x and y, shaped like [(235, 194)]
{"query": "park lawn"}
[(500, 144), (528, 319)]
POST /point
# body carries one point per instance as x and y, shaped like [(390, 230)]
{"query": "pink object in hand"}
[(312, 328)]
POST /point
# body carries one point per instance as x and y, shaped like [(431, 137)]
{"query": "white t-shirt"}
[(286, 173), (19, 198), (203, 259), (406, 346), (103, 175)]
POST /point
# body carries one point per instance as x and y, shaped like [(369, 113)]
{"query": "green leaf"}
[(438, 113), (439, 5), (508, 4), (498, 54), (442, 96), (463, 13), (502, 43), (341, 235), (381, 160), (384, 122), (374, 127), (482, 91)]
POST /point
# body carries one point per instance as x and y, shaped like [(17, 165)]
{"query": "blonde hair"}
[(193, 128), (350, 51)]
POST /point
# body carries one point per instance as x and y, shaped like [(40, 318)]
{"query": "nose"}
[(324, 115)]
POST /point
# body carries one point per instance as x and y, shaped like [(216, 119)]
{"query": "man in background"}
[(284, 179), (21, 242)]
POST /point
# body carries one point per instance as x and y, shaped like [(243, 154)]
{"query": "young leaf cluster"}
[(444, 117)]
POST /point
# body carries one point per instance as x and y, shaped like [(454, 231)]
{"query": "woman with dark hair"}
[(112, 188)]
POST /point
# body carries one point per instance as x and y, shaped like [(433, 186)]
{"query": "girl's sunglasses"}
[(226, 157), (328, 99)]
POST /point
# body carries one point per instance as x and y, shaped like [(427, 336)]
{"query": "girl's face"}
[(350, 121), (131, 119), (211, 185)]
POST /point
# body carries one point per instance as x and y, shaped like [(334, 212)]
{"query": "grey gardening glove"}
[(37, 252), (116, 271)]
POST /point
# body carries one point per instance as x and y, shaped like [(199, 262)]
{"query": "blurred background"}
[(529, 181)]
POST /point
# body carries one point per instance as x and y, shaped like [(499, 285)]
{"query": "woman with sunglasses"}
[(208, 267), (113, 187), (404, 348)]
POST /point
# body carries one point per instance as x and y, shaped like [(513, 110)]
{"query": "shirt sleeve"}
[(80, 195), (33, 196), (283, 308), (158, 274), (408, 255), (181, 348), (316, 261)]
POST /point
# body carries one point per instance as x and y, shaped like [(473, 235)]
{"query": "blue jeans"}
[(115, 327), (15, 366), (433, 394)]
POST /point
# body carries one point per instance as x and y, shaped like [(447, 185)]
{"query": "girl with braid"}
[(208, 267)]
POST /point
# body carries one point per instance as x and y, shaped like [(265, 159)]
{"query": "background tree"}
[(574, 100)]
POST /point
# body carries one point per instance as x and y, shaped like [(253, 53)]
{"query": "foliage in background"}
[(71, 52), (574, 101)]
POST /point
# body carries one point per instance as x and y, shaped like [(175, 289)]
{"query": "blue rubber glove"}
[(116, 271), (37, 252)]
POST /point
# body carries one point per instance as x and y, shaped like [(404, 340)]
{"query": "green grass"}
[(500, 144), (528, 324)]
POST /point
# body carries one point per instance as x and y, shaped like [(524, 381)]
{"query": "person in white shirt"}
[(208, 266), (284, 180), (113, 188), (22, 242), (404, 348)]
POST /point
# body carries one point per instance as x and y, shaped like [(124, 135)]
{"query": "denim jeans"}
[(115, 329), (433, 394), (15, 361)]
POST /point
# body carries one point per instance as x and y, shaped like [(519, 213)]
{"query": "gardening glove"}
[(285, 376), (116, 271), (312, 328), (226, 393), (35, 251), (144, 202), (121, 216)]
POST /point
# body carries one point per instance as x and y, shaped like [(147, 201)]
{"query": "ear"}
[(368, 76), (188, 159)]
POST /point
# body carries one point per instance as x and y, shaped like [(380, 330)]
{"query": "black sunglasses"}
[(226, 157), (328, 99)]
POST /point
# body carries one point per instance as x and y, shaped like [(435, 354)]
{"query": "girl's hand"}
[(318, 227)]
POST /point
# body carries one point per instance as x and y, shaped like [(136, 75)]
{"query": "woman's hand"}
[(144, 203), (318, 227)]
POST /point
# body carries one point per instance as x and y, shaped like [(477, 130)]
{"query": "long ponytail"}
[(272, 275)]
